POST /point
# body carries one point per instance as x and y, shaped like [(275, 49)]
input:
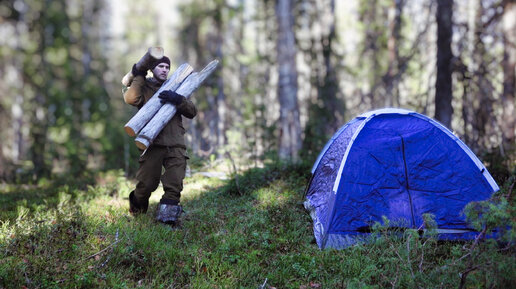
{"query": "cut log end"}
[(129, 131), (156, 52), (126, 81), (141, 145)]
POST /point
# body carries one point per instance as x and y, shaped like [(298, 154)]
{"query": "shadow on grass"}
[(47, 193), (257, 178)]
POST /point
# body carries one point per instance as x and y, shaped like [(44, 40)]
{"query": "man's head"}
[(162, 68)]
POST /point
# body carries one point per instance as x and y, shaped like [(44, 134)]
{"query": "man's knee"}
[(145, 189)]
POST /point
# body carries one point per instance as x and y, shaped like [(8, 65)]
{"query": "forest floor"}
[(245, 232)]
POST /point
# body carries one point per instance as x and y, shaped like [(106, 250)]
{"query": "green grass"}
[(241, 233)]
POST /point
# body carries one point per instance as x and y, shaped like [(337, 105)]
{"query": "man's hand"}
[(171, 96), (137, 72)]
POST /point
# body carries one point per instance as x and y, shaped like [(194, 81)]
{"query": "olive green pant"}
[(173, 159)]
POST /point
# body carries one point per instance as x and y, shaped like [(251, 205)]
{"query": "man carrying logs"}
[(168, 150)]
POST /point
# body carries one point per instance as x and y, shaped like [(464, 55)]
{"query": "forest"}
[(288, 78), (290, 74)]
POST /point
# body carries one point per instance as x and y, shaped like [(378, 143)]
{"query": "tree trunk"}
[(39, 136), (509, 82), (289, 122), (330, 87), (221, 97), (264, 100), (39, 123), (191, 44), (443, 85), (393, 43), (483, 89), (325, 110)]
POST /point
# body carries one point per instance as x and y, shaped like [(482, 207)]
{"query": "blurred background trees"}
[(291, 73)]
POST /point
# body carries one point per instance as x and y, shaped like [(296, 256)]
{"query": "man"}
[(168, 149)]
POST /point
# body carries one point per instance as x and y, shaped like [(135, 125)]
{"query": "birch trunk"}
[(142, 117), (168, 110)]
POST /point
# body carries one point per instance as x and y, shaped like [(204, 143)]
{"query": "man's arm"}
[(134, 95), (187, 108)]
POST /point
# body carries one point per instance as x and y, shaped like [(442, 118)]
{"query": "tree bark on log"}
[(168, 110), (145, 63), (142, 117)]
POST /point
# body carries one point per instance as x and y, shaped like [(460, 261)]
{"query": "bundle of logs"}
[(148, 122)]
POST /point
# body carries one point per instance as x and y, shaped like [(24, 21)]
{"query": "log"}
[(145, 63), (168, 110), (142, 117)]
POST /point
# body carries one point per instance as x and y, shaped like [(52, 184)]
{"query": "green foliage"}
[(497, 214), (227, 240)]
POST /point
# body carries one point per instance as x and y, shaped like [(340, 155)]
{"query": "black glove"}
[(137, 72), (171, 96)]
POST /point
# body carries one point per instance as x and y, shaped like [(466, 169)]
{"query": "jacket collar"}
[(154, 82)]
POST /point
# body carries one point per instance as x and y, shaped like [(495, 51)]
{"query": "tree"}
[(391, 77), (509, 68), (443, 85), (478, 67), (39, 121), (262, 90), (289, 123), (316, 37), (220, 98), (373, 52)]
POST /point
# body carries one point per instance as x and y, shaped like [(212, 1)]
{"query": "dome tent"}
[(394, 163)]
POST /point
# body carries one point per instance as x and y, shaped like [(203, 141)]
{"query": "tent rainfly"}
[(394, 163)]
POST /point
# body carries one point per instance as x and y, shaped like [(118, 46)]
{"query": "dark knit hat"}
[(162, 60)]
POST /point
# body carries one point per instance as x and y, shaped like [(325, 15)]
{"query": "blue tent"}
[(398, 164)]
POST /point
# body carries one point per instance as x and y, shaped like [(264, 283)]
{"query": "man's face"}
[(161, 71)]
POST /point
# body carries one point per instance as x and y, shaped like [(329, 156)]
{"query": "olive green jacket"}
[(172, 135)]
